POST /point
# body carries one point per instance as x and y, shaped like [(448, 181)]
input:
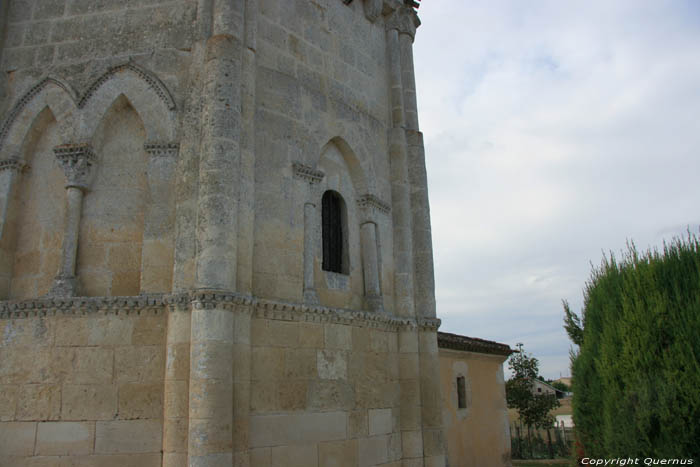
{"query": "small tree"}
[(560, 386), (533, 409)]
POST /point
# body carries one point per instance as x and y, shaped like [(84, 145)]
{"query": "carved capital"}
[(404, 19), (13, 163), (78, 162), (162, 149), (371, 207), (306, 173), (373, 8)]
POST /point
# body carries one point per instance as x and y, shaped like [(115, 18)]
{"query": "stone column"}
[(176, 387), (217, 217), (400, 188), (408, 79), (159, 223), (77, 162), (311, 177), (210, 434), (371, 208), (9, 172), (420, 208)]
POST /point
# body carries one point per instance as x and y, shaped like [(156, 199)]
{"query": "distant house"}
[(474, 410), (541, 388)]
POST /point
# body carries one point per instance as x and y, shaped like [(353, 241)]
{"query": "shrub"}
[(636, 375)]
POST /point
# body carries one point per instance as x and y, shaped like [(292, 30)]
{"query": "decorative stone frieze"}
[(231, 301), (371, 208), (162, 149), (77, 161), (306, 173), (27, 98), (428, 324), (370, 202), (13, 163), (154, 83)]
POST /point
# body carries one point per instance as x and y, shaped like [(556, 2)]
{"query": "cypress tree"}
[(636, 374)]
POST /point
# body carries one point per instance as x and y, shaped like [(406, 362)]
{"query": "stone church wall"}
[(162, 295), (88, 389)]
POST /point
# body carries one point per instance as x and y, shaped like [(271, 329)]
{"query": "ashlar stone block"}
[(332, 364), (295, 456), (65, 438), (380, 421), (128, 436), (17, 438)]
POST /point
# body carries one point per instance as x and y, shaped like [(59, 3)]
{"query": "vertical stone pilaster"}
[(176, 388), (410, 405), (210, 433), (246, 203), (406, 21), (77, 162), (205, 17), (371, 208), (224, 18), (10, 169), (422, 233), (157, 251), (241, 386), (219, 166), (431, 401), (400, 188), (394, 60), (311, 177), (408, 78)]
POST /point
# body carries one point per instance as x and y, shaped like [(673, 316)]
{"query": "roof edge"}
[(447, 340)]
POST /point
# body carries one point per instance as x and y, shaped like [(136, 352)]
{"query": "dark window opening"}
[(461, 393), (332, 231)]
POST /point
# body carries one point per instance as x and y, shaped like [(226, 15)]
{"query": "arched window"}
[(334, 232)]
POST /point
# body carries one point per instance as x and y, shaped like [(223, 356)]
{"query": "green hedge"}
[(636, 376)]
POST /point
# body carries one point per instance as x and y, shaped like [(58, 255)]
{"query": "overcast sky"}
[(555, 131)]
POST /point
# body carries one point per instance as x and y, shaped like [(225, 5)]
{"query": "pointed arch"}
[(113, 211), (33, 223), (146, 93), (52, 92)]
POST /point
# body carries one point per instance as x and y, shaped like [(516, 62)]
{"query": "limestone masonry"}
[(215, 244)]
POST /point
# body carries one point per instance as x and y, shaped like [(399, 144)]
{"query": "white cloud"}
[(554, 131)]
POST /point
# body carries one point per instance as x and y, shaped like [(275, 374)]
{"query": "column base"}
[(64, 286), (310, 297), (375, 303)]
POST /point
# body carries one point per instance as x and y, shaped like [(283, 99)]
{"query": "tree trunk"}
[(529, 440), (549, 443)]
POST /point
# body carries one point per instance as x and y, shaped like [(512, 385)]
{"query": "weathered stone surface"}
[(128, 436), (162, 171), (17, 439), (275, 430), (65, 438)]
